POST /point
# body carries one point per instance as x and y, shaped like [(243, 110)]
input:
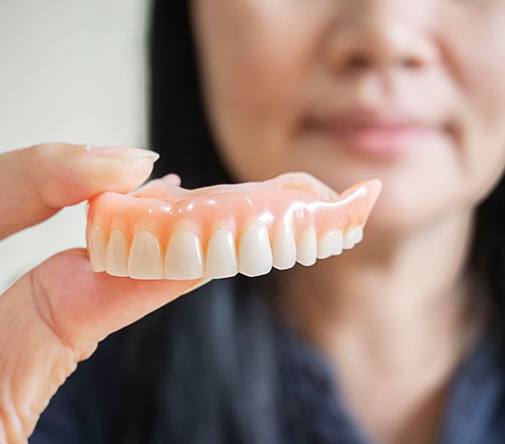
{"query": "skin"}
[(46, 325), (394, 314)]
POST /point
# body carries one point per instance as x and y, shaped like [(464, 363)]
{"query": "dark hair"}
[(207, 371), (209, 355)]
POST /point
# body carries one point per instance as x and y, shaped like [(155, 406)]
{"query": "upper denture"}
[(170, 232)]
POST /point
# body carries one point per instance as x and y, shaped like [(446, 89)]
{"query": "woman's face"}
[(410, 92)]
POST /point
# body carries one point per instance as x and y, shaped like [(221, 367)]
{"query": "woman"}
[(397, 341)]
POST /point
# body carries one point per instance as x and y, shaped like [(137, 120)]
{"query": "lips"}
[(376, 134)]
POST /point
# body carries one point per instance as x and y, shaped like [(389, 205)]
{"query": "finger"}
[(82, 306), (171, 179), (36, 182), (52, 318), (157, 188)]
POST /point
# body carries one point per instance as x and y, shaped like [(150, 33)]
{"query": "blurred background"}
[(73, 71)]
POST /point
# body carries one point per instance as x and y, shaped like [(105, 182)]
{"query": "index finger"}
[(36, 182)]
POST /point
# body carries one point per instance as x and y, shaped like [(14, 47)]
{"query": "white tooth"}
[(255, 255), (184, 256), (351, 237), (325, 245), (330, 244), (359, 234), (116, 255), (96, 248), (144, 261), (306, 253), (221, 261), (338, 245), (284, 248)]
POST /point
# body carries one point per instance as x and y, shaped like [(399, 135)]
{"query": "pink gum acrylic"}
[(295, 199)]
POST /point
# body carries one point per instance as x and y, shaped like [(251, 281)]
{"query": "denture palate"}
[(163, 231)]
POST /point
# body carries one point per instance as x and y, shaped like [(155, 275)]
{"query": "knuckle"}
[(11, 424), (43, 305)]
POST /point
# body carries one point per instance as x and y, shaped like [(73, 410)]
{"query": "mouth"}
[(377, 134)]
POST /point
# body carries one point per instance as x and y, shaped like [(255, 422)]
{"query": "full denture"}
[(163, 231)]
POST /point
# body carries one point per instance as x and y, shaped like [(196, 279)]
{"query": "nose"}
[(387, 34)]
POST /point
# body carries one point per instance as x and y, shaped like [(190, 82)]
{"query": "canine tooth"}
[(351, 237), (330, 244), (221, 260), (144, 261), (284, 248), (96, 248), (255, 254), (307, 247), (116, 255), (184, 256)]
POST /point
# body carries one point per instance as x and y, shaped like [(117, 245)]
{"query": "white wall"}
[(70, 71)]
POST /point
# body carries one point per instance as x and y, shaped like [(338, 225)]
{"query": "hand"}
[(55, 315)]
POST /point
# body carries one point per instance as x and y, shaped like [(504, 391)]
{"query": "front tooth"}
[(307, 247), (144, 261), (284, 248), (96, 248), (255, 255), (352, 237), (184, 256), (221, 260), (116, 261), (331, 243)]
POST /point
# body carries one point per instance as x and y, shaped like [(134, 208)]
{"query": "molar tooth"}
[(221, 260), (351, 237), (96, 248), (330, 244), (116, 255), (184, 256), (284, 248), (255, 253), (144, 261), (307, 247)]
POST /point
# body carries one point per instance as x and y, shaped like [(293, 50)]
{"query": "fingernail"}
[(122, 152), (171, 179)]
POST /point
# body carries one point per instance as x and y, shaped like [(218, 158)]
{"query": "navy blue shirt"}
[(85, 409)]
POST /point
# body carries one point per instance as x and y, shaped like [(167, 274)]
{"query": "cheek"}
[(255, 56), (479, 55)]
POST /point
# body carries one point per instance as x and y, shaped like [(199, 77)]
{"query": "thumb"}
[(83, 307), (52, 318)]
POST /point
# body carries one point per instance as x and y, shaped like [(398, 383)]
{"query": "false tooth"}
[(221, 260), (144, 261), (184, 256), (307, 247), (96, 248), (255, 254), (338, 246), (330, 244), (351, 237), (359, 234), (284, 248), (116, 255)]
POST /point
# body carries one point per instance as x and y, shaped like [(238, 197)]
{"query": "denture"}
[(164, 231)]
